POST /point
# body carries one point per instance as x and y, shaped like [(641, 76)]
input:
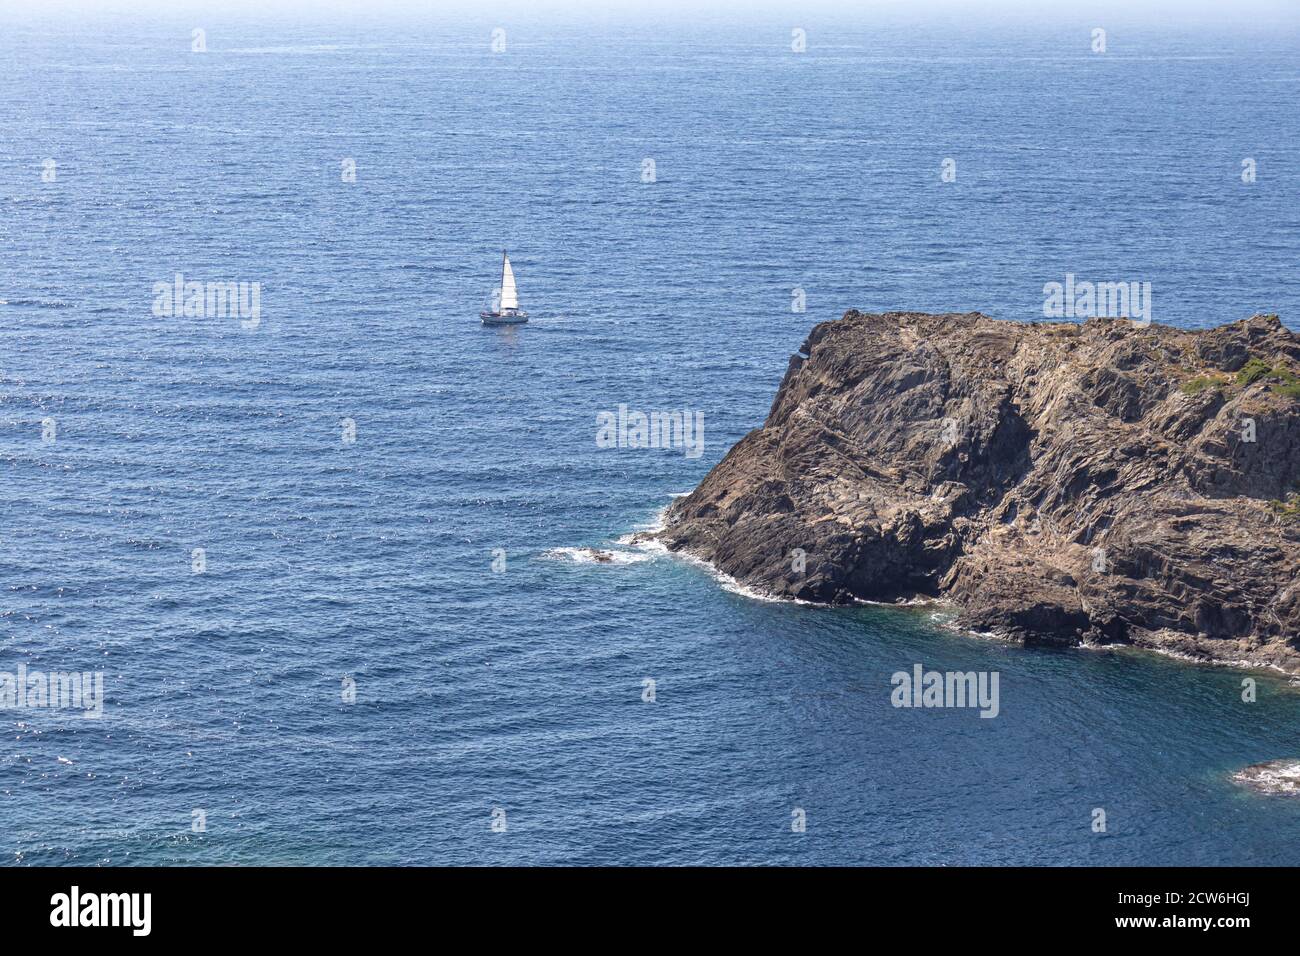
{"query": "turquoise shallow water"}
[(522, 690)]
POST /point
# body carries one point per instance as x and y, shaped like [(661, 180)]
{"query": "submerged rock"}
[(1275, 776), (1057, 482)]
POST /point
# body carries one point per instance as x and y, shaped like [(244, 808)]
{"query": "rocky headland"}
[(1103, 482)]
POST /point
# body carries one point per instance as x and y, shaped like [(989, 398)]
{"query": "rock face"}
[(1057, 482)]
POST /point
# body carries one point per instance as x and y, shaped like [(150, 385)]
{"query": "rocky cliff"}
[(1057, 482)]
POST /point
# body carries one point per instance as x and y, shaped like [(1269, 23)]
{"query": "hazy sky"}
[(1238, 12)]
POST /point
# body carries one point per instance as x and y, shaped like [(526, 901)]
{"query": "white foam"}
[(1277, 777), (729, 583), (653, 526), (1195, 659), (592, 555)]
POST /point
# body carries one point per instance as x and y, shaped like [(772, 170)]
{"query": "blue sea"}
[(340, 675)]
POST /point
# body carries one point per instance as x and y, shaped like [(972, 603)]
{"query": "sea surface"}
[(499, 715)]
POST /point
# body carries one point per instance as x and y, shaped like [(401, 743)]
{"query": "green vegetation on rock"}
[(1199, 384), (1289, 508), (1289, 387), (1253, 371)]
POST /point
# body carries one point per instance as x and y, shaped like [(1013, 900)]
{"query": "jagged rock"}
[(1056, 482)]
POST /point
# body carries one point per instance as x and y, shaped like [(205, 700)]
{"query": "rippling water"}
[(521, 691)]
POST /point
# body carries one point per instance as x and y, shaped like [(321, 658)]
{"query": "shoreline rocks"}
[(1056, 482)]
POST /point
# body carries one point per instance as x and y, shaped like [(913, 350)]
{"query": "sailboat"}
[(508, 311)]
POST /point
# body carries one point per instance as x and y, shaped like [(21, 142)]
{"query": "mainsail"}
[(509, 294)]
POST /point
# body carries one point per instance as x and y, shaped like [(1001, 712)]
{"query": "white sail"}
[(509, 294)]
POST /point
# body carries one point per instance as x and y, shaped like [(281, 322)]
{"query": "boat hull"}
[(503, 318)]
